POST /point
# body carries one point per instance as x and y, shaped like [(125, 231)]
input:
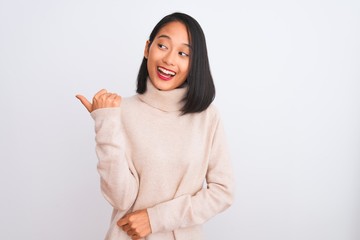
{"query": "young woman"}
[(157, 149)]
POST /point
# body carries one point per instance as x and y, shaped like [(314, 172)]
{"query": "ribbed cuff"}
[(155, 220), (102, 113)]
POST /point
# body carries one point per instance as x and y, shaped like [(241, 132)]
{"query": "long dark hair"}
[(201, 91)]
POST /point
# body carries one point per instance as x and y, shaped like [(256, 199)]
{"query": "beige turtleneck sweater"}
[(177, 167)]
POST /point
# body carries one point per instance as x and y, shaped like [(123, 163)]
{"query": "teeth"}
[(166, 71)]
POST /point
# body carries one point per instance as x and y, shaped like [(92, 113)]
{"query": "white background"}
[(288, 87)]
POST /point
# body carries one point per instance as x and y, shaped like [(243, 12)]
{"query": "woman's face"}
[(168, 57)]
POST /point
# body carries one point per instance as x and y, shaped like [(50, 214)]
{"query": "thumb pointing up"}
[(85, 102)]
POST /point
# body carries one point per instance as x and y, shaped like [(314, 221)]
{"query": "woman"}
[(157, 148)]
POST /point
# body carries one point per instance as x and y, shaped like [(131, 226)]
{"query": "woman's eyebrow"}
[(168, 37), (164, 36)]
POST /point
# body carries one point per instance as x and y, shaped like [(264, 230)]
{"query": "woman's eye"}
[(183, 54), (161, 46)]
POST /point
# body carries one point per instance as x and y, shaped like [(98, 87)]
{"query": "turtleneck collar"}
[(167, 101)]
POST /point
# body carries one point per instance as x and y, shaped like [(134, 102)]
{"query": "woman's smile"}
[(165, 74)]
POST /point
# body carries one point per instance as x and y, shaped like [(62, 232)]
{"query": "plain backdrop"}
[(288, 88)]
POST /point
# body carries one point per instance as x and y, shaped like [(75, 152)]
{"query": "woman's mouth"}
[(165, 74)]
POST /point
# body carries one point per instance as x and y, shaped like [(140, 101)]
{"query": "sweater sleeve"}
[(189, 210), (118, 178)]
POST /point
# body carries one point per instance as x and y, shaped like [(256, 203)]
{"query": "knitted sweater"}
[(176, 166)]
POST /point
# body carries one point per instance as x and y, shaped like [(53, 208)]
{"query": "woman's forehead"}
[(174, 31)]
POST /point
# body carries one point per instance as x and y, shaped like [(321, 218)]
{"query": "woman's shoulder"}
[(212, 110), (130, 100), (211, 115)]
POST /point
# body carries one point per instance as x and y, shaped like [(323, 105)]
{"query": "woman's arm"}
[(119, 181)]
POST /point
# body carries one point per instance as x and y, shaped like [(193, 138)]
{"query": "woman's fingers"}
[(102, 99), (85, 102), (136, 224), (99, 93), (106, 100)]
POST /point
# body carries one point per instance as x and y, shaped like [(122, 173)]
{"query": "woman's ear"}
[(146, 50)]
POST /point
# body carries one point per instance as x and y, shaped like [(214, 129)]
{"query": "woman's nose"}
[(169, 58)]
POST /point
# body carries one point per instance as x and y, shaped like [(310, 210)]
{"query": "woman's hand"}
[(136, 224), (102, 99)]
